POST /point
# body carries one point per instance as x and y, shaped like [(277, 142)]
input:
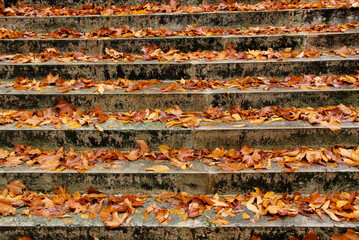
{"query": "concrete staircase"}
[(200, 179)]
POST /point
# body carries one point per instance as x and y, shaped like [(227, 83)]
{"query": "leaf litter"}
[(172, 6), (66, 114), (190, 30), (228, 160), (115, 210), (305, 81), (154, 53)]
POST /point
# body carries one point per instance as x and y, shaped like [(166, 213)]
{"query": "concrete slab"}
[(223, 70), (199, 228), (274, 135), (180, 21), (186, 44), (201, 179), (112, 101)]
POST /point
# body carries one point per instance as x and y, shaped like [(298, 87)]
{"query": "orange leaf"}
[(159, 168)]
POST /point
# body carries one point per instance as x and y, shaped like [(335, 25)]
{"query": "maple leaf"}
[(116, 221), (16, 187)]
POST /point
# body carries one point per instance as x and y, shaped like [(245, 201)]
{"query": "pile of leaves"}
[(90, 205), (191, 30), (229, 160), (309, 81), (66, 113), (81, 83), (171, 7), (154, 53), (339, 206)]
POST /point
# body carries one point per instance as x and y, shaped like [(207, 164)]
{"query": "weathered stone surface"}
[(180, 21), (199, 228), (223, 70), (281, 134), (186, 44), (119, 100), (200, 179), (79, 3)]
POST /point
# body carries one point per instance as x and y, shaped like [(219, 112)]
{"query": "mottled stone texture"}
[(174, 71), (116, 101), (185, 44), (201, 179), (277, 135), (180, 21), (79, 3), (133, 179)]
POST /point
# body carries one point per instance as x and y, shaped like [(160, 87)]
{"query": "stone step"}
[(79, 4), (199, 228), (113, 101), (277, 134), (223, 70), (200, 179), (180, 21), (298, 41)]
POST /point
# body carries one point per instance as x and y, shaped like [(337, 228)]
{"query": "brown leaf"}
[(16, 187), (143, 146)]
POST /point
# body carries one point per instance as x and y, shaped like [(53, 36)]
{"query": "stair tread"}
[(139, 166), (195, 62), (200, 222), (178, 21)]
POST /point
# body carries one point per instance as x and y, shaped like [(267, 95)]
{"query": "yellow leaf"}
[(237, 117), (163, 149), (152, 115), (239, 126), (268, 195), (100, 88), (218, 221), (76, 125), (85, 216), (341, 203), (112, 126), (60, 169), (252, 208), (98, 127), (245, 216), (177, 211), (117, 166), (277, 119), (159, 168), (68, 221)]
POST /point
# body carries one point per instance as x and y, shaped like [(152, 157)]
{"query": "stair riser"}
[(267, 138), (174, 71), (188, 44), (168, 232), (193, 183), (188, 101), (180, 21)]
